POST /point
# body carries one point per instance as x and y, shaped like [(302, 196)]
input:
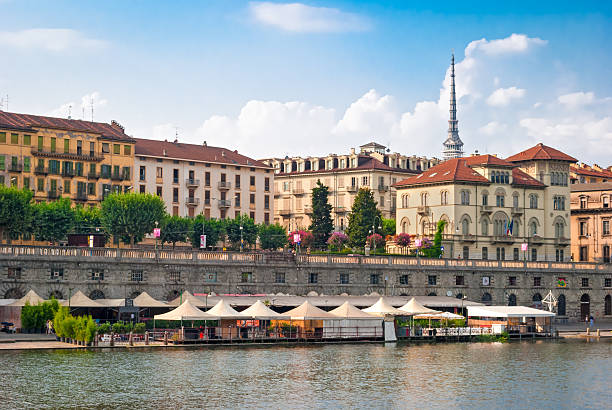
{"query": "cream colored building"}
[(198, 179), (591, 219), (372, 167), (493, 206)]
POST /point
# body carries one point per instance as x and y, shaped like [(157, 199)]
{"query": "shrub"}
[(104, 328), (139, 328), (402, 239), (306, 239), (377, 240), (337, 241)]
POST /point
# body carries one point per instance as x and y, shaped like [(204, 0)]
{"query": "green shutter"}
[(3, 137), (27, 140), (41, 142), (26, 164), (2, 167)]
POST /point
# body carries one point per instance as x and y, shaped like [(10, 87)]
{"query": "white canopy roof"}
[(415, 308), (308, 311), (259, 310), (80, 300), (31, 297), (348, 311), (144, 300), (187, 311), (195, 301), (441, 315), (224, 311), (111, 302), (382, 308), (507, 311)]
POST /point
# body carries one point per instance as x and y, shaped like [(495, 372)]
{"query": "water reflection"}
[(526, 374)]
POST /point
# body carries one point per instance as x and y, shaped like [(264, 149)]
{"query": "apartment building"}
[(585, 174), (199, 179), (591, 215), (493, 207), (373, 167), (59, 157)]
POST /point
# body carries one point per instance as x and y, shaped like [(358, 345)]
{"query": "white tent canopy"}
[(506, 311), (348, 311), (111, 302), (308, 311), (195, 301), (80, 300), (224, 311), (415, 308), (144, 300), (441, 315), (259, 310), (187, 311), (382, 308), (31, 297)]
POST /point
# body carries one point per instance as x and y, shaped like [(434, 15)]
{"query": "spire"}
[(453, 146)]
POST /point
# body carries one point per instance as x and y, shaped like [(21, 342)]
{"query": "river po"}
[(543, 374)]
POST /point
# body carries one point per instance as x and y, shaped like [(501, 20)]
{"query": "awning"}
[(506, 311), (259, 310), (195, 301), (415, 308), (348, 311), (31, 298), (144, 300), (382, 308), (80, 300), (186, 311), (307, 311), (224, 311)]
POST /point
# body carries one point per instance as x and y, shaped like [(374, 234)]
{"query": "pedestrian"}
[(592, 320), (586, 320)]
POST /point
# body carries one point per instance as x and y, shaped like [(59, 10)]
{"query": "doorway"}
[(585, 306)]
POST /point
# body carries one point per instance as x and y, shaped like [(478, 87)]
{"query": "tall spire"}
[(453, 146)]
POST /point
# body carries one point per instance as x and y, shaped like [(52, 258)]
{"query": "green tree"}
[(272, 236), (321, 224), (249, 231), (364, 214), (15, 211), (388, 227), (87, 219), (53, 220), (213, 229), (435, 251), (175, 229), (131, 216)]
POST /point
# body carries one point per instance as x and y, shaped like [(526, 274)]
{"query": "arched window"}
[(512, 299), (465, 227), (585, 306), (444, 198), (432, 294), (56, 294), (515, 201), (424, 198), (486, 299), (561, 305), (608, 305), (13, 293), (533, 201), (459, 296), (484, 227), (465, 197), (560, 229), (500, 221), (537, 299), (533, 227), (96, 294)]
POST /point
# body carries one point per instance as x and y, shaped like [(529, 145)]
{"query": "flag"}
[(510, 227)]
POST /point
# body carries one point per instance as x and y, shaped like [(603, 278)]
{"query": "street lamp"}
[(241, 240), (156, 225), (374, 230)]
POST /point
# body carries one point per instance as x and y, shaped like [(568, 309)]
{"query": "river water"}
[(544, 374)]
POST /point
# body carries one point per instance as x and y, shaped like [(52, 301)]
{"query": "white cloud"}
[(504, 96), (48, 39), (82, 110), (577, 99), (493, 128), (298, 17), (368, 115), (516, 43)]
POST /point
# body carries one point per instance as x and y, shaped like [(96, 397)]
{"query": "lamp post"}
[(462, 299), (374, 230), (156, 225), (241, 240)]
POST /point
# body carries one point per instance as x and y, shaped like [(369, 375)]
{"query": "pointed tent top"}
[(348, 311), (259, 310), (144, 300), (186, 311), (381, 308), (224, 311), (187, 296), (80, 300), (308, 311), (415, 308), (31, 297)]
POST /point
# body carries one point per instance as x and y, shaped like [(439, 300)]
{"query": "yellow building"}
[(57, 157), (591, 218)]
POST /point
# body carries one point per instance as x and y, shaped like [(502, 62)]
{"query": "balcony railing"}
[(423, 210), (190, 182), (53, 194), (562, 241), (190, 201), (41, 170), (503, 239), (118, 177), (287, 212), (225, 203), (93, 175), (535, 240), (517, 210), (382, 187), (486, 209), (74, 155), (352, 188), (68, 173), (224, 185), (15, 167), (298, 191), (206, 201), (80, 196)]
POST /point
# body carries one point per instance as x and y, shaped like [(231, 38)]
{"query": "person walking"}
[(591, 321)]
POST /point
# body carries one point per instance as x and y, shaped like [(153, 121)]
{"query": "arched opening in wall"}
[(173, 294), (585, 306), (561, 305), (432, 294), (459, 296), (608, 305), (486, 299), (56, 294), (135, 294), (96, 294), (13, 293), (512, 299), (537, 300)]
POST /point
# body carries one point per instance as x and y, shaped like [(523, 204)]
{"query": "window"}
[(313, 277), (559, 255), (534, 254), (432, 280), (279, 277), (91, 188), (465, 197), (252, 180), (501, 254), (582, 228), (499, 200), (207, 178), (606, 227), (267, 184), (175, 195), (374, 279), (583, 202), (266, 201), (404, 279), (465, 227), (537, 281), (246, 277), (606, 253), (252, 199), (485, 199), (533, 201), (560, 229), (237, 200), (364, 181), (116, 149), (559, 203), (607, 282), (3, 137), (585, 282), (174, 276), (512, 281), (237, 181), (344, 278), (57, 273), (40, 184), (485, 253), (136, 276), (105, 148), (14, 273), (606, 201), (159, 191), (142, 173), (444, 198), (175, 176), (127, 150), (459, 280), (515, 254), (97, 274), (466, 252), (210, 277), (484, 227)]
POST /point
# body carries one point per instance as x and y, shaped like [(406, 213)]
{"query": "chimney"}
[(204, 144), (118, 126), (165, 152), (597, 167)]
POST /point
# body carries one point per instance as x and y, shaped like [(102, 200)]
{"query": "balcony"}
[(224, 203), (502, 239), (80, 197), (468, 238), (116, 177), (191, 201), (15, 167), (383, 188), (287, 212), (224, 185), (70, 155), (53, 194), (340, 210), (486, 209), (297, 191), (423, 210), (93, 175), (535, 240), (517, 211), (192, 183), (68, 173), (41, 170), (352, 188), (562, 241), (308, 209), (206, 201)]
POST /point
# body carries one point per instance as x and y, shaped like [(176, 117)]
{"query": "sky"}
[(272, 79)]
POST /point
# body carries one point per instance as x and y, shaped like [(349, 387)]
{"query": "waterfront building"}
[(200, 179), (65, 158), (591, 216), (373, 167), (584, 174), (453, 146), (493, 206)]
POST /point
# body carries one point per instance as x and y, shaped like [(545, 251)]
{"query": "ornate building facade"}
[(591, 219)]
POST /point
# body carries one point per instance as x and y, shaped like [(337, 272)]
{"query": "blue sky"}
[(273, 78)]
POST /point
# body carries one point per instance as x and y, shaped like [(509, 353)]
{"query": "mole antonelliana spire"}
[(453, 146)]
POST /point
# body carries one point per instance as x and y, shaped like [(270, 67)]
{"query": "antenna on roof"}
[(4, 103), (176, 134), (69, 110), (389, 146), (83, 113), (92, 108)]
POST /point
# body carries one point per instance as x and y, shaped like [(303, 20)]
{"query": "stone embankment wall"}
[(120, 273)]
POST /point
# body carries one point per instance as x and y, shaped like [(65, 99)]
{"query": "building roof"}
[(452, 170), (595, 186), (588, 171), (520, 178), (541, 151), (488, 159), (28, 122), (193, 152), (365, 163), (507, 311)]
